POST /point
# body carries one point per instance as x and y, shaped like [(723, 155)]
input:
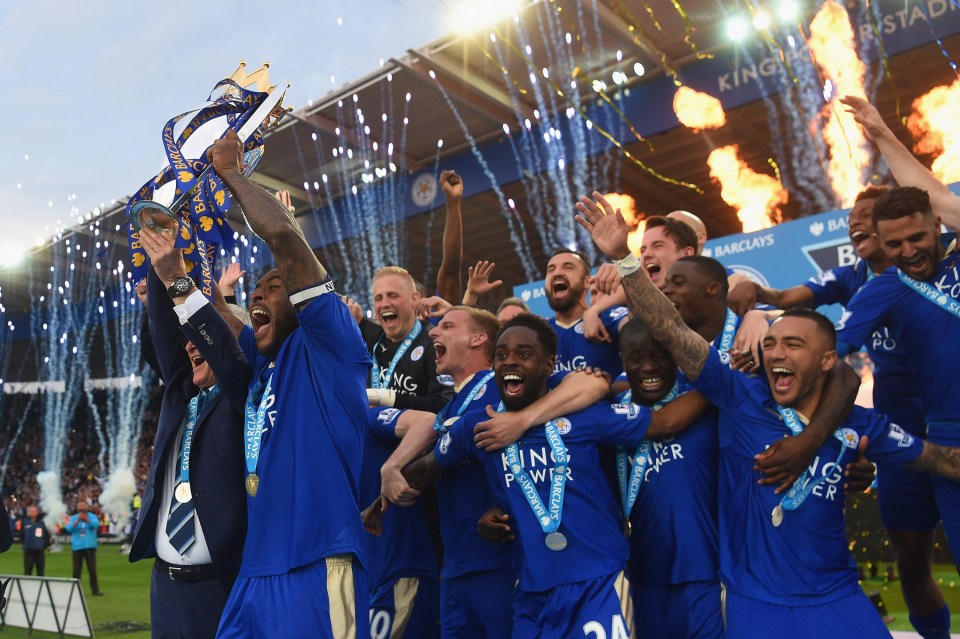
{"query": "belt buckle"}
[(175, 571)]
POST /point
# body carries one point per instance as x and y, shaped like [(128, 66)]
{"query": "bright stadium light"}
[(737, 29), (788, 11), (478, 14)]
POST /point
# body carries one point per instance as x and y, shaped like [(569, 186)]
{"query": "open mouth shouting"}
[(559, 286), (783, 379), (259, 320), (441, 351), (653, 270), (512, 384), (389, 320), (858, 237), (196, 361)]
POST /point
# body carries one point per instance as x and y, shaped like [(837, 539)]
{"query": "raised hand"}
[(229, 277), (452, 185), (478, 281), (430, 307), (866, 115), (606, 226), (164, 256)]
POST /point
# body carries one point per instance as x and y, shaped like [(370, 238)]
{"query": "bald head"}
[(693, 222)]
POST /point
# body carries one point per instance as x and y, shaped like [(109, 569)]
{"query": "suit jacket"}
[(216, 458), (6, 535)]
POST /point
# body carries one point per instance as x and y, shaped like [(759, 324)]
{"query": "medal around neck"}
[(776, 517), (555, 541), (253, 484), (182, 492)]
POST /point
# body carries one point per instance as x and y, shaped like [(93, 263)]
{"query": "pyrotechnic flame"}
[(697, 110), (628, 208), (832, 45), (756, 197), (934, 124)]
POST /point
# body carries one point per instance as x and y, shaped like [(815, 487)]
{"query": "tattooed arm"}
[(609, 232), (938, 460)]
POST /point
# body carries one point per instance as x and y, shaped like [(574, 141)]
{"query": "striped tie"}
[(180, 528)]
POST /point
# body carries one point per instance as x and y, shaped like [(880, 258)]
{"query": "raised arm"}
[(267, 217), (609, 232), (906, 168), (449, 284)]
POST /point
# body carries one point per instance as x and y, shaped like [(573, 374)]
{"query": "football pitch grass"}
[(124, 610)]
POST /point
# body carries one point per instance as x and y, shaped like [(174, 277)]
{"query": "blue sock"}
[(934, 626)]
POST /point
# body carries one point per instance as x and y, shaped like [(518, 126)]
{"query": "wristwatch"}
[(181, 286)]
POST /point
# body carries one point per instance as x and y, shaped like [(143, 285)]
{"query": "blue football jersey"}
[(464, 496), (307, 505), (591, 520), (576, 351), (929, 337), (896, 392), (806, 560), (674, 520), (404, 548)]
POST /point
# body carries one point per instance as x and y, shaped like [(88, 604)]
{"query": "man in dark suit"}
[(193, 517)]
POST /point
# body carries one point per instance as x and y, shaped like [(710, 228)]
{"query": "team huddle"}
[(669, 460)]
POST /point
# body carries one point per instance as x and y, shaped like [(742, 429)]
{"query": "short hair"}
[(635, 328), (583, 258), (680, 232), (713, 269), (485, 322), (421, 288), (901, 202), (514, 301), (396, 270), (824, 325), (546, 336), (872, 192)]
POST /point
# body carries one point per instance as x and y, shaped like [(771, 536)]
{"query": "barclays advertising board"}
[(783, 256)]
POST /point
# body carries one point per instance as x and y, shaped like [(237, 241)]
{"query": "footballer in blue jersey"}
[(776, 551), (673, 565), (922, 295), (908, 507), (401, 565), (570, 574), (566, 289), (303, 559)]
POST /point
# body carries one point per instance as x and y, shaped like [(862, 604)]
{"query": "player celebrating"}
[(812, 586)]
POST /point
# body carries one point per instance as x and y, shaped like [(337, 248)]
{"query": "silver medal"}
[(555, 541)]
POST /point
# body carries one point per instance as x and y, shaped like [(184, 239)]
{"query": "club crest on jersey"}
[(850, 437), (618, 312), (629, 409), (578, 329), (445, 443), (563, 425), (416, 354), (897, 434), (387, 415)]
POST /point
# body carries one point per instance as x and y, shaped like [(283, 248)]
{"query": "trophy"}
[(187, 198)]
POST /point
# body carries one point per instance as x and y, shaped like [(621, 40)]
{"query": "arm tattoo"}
[(647, 302), (938, 460)]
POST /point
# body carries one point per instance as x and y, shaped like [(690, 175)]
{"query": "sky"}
[(90, 84)]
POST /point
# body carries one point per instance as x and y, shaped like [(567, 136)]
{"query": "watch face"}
[(183, 285)]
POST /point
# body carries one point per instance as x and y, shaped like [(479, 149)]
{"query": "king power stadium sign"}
[(782, 256)]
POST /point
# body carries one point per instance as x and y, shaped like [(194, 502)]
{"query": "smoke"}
[(51, 501), (117, 492)]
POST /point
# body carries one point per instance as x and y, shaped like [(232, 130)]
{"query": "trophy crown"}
[(260, 78)]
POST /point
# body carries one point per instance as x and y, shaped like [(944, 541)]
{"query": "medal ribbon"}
[(931, 294), (442, 416), (255, 411), (375, 377), (724, 342), (186, 443), (802, 488), (548, 518), (630, 490)]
